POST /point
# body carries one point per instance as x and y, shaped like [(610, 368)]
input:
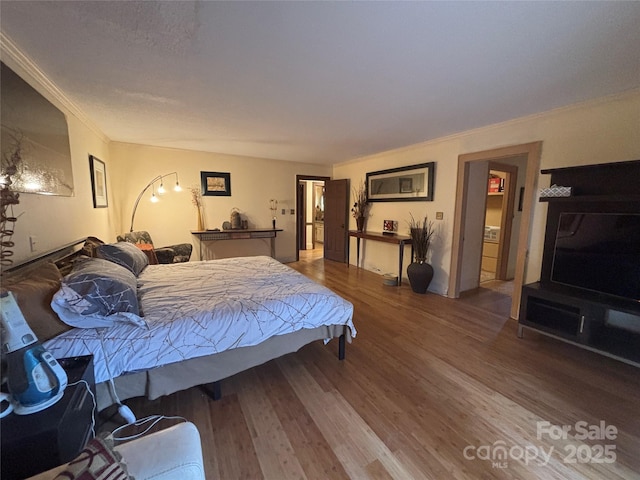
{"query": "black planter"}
[(420, 276)]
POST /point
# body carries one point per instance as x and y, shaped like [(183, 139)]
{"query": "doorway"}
[(502, 183), (310, 208), (468, 228)]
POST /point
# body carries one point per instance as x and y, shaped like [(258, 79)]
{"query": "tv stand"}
[(583, 319), (598, 322)]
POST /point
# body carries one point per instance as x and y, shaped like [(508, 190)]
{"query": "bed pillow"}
[(33, 295), (98, 293), (125, 254)]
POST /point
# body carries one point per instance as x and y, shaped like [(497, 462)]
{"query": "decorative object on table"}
[(98, 182), (216, 184), (389, 227), (196, 199), (402, 184), (226, 225), (236, 219), (273, 206), (360, 206), (420, 272), (11, 159), (154, 198), (555, 191)]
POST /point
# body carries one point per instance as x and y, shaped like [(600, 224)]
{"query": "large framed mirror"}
[(402, 184)]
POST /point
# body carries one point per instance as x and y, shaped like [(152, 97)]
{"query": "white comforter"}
[(200, 308)]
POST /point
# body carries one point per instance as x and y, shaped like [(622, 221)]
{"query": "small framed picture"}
[(98, 182), (216, 184), (389, 226)]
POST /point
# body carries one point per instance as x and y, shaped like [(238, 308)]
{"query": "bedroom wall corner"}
[(254, 181), (598, 131)]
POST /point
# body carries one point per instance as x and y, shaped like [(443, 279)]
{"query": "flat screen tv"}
[(599, 252)]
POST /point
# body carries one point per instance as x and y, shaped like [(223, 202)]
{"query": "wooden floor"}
[(431, 388)]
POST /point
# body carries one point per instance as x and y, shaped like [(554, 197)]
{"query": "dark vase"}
[(420, 276), (360, 224)]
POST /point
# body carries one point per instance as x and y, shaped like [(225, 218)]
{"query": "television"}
[(599, 252)]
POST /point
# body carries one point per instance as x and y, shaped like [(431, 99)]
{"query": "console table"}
[(400, 240), (215, 235)]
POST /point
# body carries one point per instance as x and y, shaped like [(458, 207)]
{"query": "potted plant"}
[(420, 272), (360, 206)]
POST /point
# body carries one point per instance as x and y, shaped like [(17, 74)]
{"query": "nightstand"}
[(34, 443)]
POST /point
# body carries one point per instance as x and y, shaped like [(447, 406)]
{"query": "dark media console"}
[(602, 316)]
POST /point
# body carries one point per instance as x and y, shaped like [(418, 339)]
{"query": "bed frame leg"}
[(341, 345), (215, 392)]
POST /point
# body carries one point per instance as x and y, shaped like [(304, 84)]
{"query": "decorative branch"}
[(11, 159)]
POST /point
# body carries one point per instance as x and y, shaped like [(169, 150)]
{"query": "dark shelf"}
[(600, 322), (593, 198)]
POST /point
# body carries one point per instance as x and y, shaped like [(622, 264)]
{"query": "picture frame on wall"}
[(217, 184), (402, 184), (98, 182)]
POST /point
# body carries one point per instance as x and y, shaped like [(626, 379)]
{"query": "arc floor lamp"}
[(154, 199)]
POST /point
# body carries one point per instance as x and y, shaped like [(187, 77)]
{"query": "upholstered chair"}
[(170, 254)]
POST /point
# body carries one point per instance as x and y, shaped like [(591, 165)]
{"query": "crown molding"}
[(10, 51)]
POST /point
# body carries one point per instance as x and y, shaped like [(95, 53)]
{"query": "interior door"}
[(336, 217), (301, 222), (476, 175)]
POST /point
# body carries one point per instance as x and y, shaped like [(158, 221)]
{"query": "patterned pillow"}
[(125, 254), (97, 461), (98, 293)]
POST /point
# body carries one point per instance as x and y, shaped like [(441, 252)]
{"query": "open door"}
[(530, 151), (336, 220)]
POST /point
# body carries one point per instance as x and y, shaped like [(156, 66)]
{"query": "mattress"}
[(196, 309)]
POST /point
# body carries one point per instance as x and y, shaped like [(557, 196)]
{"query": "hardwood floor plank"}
[(427, 379)]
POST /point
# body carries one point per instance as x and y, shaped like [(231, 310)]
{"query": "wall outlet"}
[(439, 215), (292, 211), (33, 242), (284, 211)]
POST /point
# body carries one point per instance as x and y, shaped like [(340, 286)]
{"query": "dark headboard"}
[(62, 257)]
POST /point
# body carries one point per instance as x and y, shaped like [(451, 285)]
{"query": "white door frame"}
[(532, 151)]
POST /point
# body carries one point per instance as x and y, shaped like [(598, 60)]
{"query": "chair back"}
[(140, 236)]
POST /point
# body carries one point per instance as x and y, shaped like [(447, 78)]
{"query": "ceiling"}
[(322, 82)]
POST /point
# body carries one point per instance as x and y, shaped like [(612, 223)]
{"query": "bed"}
[(197, 322)]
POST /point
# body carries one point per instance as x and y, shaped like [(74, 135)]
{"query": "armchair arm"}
[(165, 254), (182, 252)]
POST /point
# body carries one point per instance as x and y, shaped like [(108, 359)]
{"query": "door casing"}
[(532, 151), (300, 200)]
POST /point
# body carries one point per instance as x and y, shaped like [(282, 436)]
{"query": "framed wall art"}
[(217, 184), (403, 184), (98, 182)]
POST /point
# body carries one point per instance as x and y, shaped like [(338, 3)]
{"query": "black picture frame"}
[(215, 184), (403, 184), (98, 182)]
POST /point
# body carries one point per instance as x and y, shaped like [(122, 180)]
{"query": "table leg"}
[(358, 252), (400, 259), (273, 247)]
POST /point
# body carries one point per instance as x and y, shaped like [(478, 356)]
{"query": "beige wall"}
[(254, 182), (601, 131)]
